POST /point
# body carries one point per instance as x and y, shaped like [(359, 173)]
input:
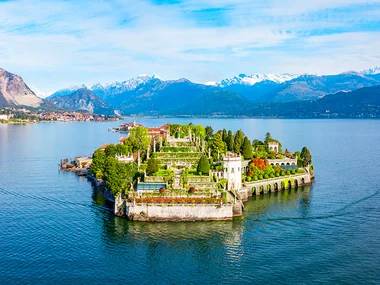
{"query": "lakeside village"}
[(10, 115), (189, 173)]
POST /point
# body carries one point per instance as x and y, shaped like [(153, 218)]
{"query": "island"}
[(189, 173)]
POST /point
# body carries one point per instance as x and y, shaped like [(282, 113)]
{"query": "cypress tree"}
[(247, 149), (230, 141), (152, 166), (238, 141), (203, 165), (224, 135)]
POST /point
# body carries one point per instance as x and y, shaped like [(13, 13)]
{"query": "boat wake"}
[(61, 202)]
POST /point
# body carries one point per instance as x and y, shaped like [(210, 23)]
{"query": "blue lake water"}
[(54, 228)]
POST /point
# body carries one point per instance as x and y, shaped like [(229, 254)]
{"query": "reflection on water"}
[(257, 208)]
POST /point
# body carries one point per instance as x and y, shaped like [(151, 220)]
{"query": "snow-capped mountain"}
[(375, 70), (104, 90), (121, 87), (243, 79), (66, 91)]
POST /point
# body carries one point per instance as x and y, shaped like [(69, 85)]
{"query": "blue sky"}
[(54, 44)]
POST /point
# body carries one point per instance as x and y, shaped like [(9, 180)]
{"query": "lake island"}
[(189, 173)]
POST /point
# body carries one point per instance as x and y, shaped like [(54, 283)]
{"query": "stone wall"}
[(173, 213), (278, 183)]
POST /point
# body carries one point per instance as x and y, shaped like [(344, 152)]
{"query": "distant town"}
[(10, 115)]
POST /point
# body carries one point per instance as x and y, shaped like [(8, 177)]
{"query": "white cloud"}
[(54, 44)]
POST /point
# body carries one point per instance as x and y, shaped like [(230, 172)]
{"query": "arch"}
[(272, 164), (296, 183), (269, 187), (303, 181), (289, 184), (261, 189), (254, 189), (277, 163), (293, 163), (275, 186), (282, 163), (283, 185), (288, 163)]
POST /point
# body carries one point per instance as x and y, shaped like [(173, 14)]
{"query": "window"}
[(232, 170)]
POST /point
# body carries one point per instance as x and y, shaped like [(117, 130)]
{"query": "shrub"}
[(162, 190), (152, 166), (249, 178), (191, 190), (293, 171), (288, 172), (266, 176), (277, 174), (203, 165), (271, 175), (261, 177), (282, 173), (255, 178)]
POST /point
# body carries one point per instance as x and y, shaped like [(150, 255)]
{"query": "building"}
[(273, 146), (124, 158), (4, 117), (83, 161), (232, 171), (160, 132)]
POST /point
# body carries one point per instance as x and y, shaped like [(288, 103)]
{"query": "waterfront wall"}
[(165, 212), (276, 184)]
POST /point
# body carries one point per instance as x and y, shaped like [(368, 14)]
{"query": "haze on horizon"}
[(55, 44)]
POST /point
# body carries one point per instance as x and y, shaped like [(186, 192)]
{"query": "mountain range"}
[(13, 91), (83, 100), (240, 95)]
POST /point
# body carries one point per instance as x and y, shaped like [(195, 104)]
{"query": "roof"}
[(103, 146), (122, 140), (273, 143)]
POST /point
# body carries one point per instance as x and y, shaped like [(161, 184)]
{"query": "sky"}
[(55, 44)]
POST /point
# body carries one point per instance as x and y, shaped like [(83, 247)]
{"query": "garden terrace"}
[(178, 149), (163, 155), (178, 201), (179, 193)]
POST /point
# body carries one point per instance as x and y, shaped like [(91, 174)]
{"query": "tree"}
[(230, 141), (247, 149), (218, 146), (224, 135), (121, 149), (98, 161), (110, 150), (238, 141), (200, 132), (209, 133), (139, 140), (203, 165), (152, 166), (305, 156), (118, 177), (267, 137)]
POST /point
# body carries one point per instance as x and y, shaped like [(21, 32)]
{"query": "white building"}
[(4, 117), (273, 146), (124, 158), (232, 171)]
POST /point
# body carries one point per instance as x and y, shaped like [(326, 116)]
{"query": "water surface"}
[(55, 228)]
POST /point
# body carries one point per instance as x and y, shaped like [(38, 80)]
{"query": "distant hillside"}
[(304, 87), (83, 100), (361, 103), (14, 92)]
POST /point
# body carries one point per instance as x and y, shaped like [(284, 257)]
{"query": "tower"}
[(232, 171)]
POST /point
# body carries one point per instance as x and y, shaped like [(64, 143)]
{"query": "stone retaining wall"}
[(173, 213)]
